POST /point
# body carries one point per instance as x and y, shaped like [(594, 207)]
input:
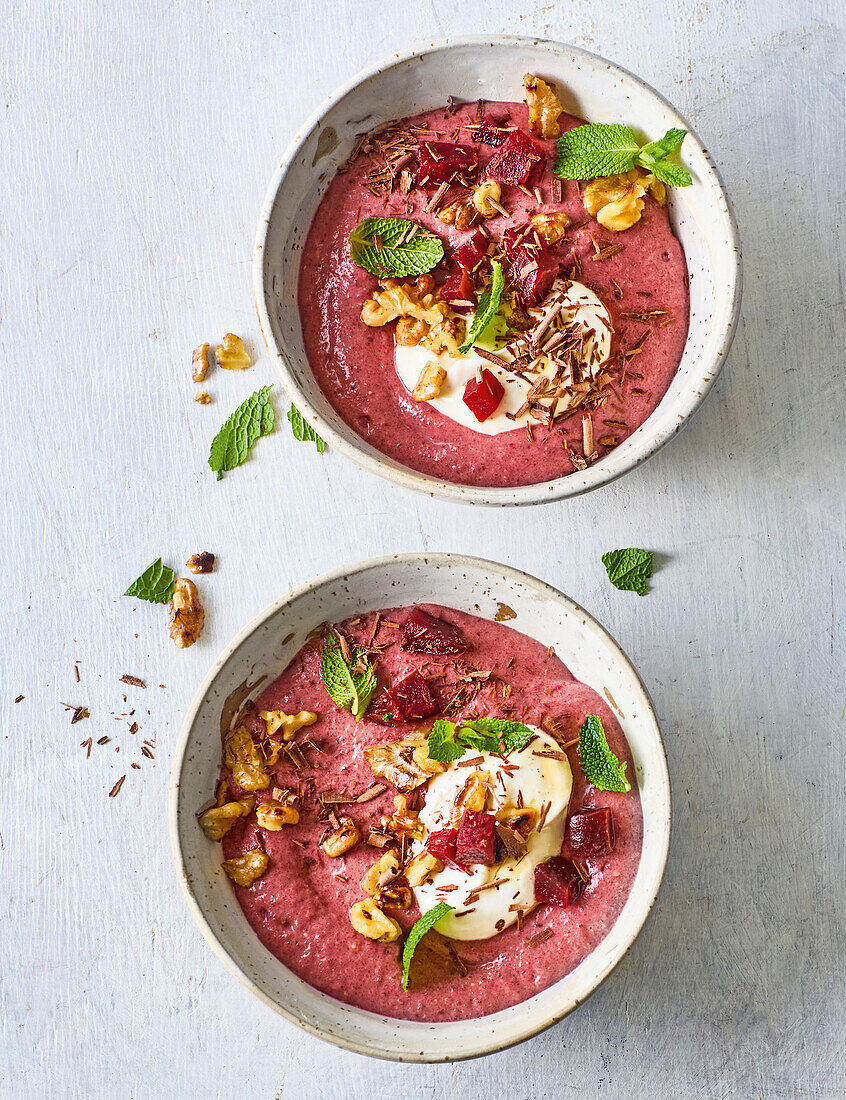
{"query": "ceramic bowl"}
[(493, 68), (265, 646)]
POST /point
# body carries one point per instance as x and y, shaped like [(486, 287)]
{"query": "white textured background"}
[(136, 144)]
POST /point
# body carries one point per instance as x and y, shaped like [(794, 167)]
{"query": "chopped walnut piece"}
[(343, 838), (410, 331), (275, 815), (367, 918), (617, 201), (473, 795), (396, 897), (520, 818), (242, 756), (201, 563), (445, 337), (383, 871), (290, 724), (421, 868), (460, 212), (404, 822), (405, 764), (245, 869), (551, 227), (202, 398), (218, 820), (544, 106), (486, 198), (186, 614), (434, 325), (200, 362), (231, 354), (429, 383)]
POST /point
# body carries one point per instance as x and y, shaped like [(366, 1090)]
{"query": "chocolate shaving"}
[(78, 712), (379, 838), (545, 808), (87, 745), (371, 793), (133, 681), (514, 844), (336, 798), (552, 755), (471, 763), (540, 937), (609, 251), (117, 787)]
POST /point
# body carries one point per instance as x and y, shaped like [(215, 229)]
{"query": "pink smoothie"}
[(354, 364), (300, 908)]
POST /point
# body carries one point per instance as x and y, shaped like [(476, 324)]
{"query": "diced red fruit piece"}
[(590, 833), (472, 254), (489, 133), (459, 287), (424, 633), (516, 159), (411, 697), (476, 840), (557, 881), (441, 844), (441, 160), (532, 274), (482, 398)]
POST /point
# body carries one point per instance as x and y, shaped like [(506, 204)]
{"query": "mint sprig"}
[(449, 741), (629, 569), (394, 246), (416, 933), (608, 149), (600, 765), (231, 445), (303, 431), (487, 308), (154, 585), (350, 685)]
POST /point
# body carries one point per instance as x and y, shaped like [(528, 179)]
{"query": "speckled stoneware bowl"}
[(493, 68), (265, 646)]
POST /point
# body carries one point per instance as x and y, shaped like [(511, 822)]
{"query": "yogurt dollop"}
[(536, 780), (580, 306)]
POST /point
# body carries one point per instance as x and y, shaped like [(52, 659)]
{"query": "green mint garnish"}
[(600, 765), (155, 584), (232, 443), (418, 930), (487, 308), (350, 686), (629, 569), (448, 741), (303, 431), (602, 149), (394, 246)]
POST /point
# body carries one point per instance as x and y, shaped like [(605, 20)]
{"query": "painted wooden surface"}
[(136, 146)]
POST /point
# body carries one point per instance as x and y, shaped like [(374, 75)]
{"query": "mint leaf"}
[(629, 569), (600, 765), (487, 308), (418, 930), (510, 736), (598, 149), (442, 745), (394, 246), (347, 689), (477, 739), (154, 585), (303, 431), (674, 175), (231, 445), (671, 142)]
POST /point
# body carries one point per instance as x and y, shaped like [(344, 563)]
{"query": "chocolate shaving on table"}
[(117, 787), (539, 937), (87, 745), (133, 681), (514, 844), (104, 740), (78, 712)]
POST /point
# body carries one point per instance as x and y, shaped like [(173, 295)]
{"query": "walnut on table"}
[(201, 563), (186, 614), (231, 353), (200, 362)]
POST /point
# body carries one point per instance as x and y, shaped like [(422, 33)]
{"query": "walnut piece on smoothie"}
[(405, 764), (404, 822), (187, 616), (275, 815), (245, 869), (421, 868), (244, 759), (544, 106), (617, 201), (473, 795), (367, 918), (551, 227), (289, 724), (218, 820), (433, 325), (231, 353), (429, 383), (461, 212), (486, 198), (383, 871), (345, 836)]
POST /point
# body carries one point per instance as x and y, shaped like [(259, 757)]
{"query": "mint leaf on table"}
[(303, 431), (155, 584), (442, 745), (351, 684), (600, 765), (394, 246), (602, 149), (231, 445), (416, 933), (487, 308), (629, 569)]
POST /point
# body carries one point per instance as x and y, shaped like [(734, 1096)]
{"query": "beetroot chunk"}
[(557, 881), (516, 159), (441, 845), (411, 697), (424, 633), (476, 840), (590, 833), (459, 288), (483, 397), (473, 253), (489, 133), (441, 160), (532, 274)]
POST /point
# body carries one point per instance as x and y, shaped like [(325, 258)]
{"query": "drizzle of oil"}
[(504, 613)]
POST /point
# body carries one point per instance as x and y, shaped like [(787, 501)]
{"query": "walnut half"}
[(245, 869), (405, 764), (429, 383), (231, 353), (617, 201), (186, 614), (368, 919), (218, 820), (544, 106)]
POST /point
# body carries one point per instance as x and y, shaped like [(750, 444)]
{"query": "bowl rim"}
[(572, 484), (345, 573)]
